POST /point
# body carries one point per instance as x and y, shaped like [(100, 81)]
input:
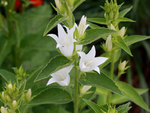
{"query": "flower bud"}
[(112, 27), (8, 99), (3, 110), (14, 104), (10, 86), (122, 31), (122, 66), (70, 2), (3, 96), (29, 94), (109, 43), (84, 89)]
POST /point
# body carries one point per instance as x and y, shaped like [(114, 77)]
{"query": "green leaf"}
[(53, 65), (95, 34), (98, 20), (122, 19), (135, 38), (77, 3), (8, 76), (94, 26), (131, 93), (53, 22), (96, 80), (118, 99), (94, 106), (125, 11), (121, 43), (124, 108), (52, 96)]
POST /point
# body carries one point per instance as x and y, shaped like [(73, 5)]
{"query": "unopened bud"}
[(3, 95), (14, 104), (122, 66), (84, 89), (112, 27), (29, 94), (70, 2), (8, 98), (3, 110), (58, 4), (10, 86), (109, 43), (122, 31)]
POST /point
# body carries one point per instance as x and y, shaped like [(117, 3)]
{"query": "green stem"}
[(112, 68), (76, 98)]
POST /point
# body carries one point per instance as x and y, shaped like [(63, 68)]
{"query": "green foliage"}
[(52, 95), (53, 65)]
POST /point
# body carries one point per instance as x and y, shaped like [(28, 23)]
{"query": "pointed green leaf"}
[(53, 65), (94, 106), (8, 76), (130, 93), (53, 22), (118, 99), (135, 38), (95, 34), (124, 108), (121, 43), (98, 20), (51, 96), (125, 11), (96, 80), (122, 19)]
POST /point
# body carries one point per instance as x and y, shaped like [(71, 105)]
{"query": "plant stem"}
[(112, 68), (76, 88)]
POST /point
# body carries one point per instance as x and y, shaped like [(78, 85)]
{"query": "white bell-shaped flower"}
[(65, 41), (61, 76), (89, 62)]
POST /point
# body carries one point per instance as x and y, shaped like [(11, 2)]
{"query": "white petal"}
[(51, 81), (81, 54), (99, 60), (69, 68), (54, 37), (65, 82), (61, 32), (97, 70), (92, 53)]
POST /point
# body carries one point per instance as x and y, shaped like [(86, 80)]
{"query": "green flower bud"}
[(70, 2), (3, 96), (28, 95), (109, 43), (14, 104), (84, 89), (122, 66), (122, 31)]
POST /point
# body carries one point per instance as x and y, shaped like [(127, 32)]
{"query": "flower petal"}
[(52, 80), (97, 69), (61, 33), (91, 53), (65, 82), (99, 60)]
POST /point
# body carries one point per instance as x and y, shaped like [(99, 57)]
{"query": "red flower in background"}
[(17, 5), (36, 3)]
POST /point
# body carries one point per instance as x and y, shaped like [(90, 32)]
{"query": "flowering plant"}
[(75, 75)]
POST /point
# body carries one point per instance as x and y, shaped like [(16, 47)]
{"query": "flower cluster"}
[(67, 44)]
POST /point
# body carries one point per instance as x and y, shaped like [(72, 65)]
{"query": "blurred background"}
[(22, 43)]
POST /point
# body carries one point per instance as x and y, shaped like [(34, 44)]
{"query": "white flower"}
[(85, 88), (89, 62), (109, 43), (3, 110), (65, 41), (82, 27), (61, 76)]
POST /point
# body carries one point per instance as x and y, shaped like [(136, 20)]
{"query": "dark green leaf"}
[(96, 80), (94, 34), (8, 76), (125, 11), (77, 3), (53, 22), (53, 65), (121, 43), (130, 93), (51, 96), (135, 38)]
